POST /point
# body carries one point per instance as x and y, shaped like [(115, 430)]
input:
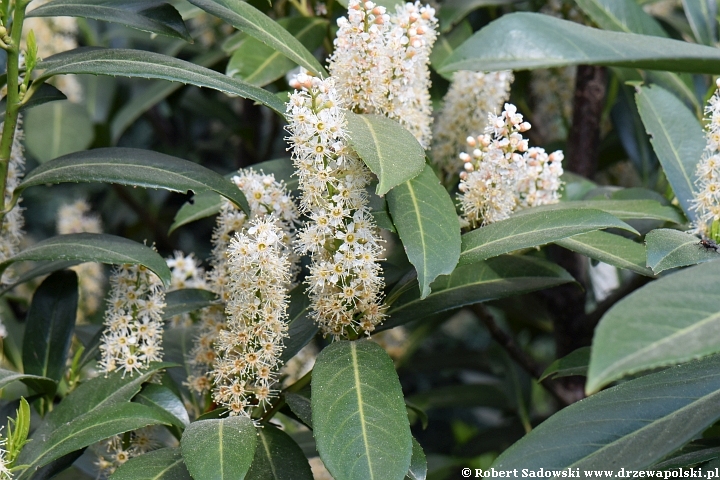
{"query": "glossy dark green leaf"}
[(163, 464), (418, 463), (300, 406), (98, 96), (93, 427), (163, 398), (611, 249), (219, 449), (452, 11), (301, 327), (154, 16), (278, 457), (574, 363), (45, 94), (521, 41), (669, 321), (679, 84), (446, 43), (676, 136), (477, 282), (624, 209), (688, 456), (7, 377), (424, 216), (389, 150), (140, 103), (93, 247), (629, 426), (187, 300), (38, 270), (621, 16), (364, 431), (702, 16), (143, 64), (136, 167), (50, 324), (533, 229), (57, 128), (259, 64), (668, 249), (252, 21)]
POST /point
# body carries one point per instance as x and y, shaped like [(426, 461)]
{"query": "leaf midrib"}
[(361, 409)]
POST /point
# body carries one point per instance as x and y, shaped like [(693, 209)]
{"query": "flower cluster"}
[(76, 218), (470, 96), (133, 320), (11, 232), (707, 196), (344, 285), (5, 473), (248, 351), (381, 63), (502, 174), (112, 453)]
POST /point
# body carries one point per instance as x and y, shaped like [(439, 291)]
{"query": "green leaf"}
[(155, 92), (702, 16), (574, 363), (611, 249), (90, 428), (677, 138), (163, 464), (219, 449), (533, 229), (669, 321), (98, 96), (360, 424), (668, 249), (631, 209), (477, 282), (446, 43), (522, 41), (136, 167), (154, 16), (7, 377), (418, 463), (143, 64), (187, 300), (278, 457), (93, 247), (45, 94), (57, 128), (387, 148), (452, 11), (259, 64), (38, 270), (463, 396), (207, 204), (629, 426), (424, 216), (621, 16), (252, 21), (300, 406), (163, 398), (301, 327), (50, 324)]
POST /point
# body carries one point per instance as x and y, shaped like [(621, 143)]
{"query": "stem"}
[(13, 98)]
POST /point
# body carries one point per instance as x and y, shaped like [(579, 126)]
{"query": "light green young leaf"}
[(668, 249), (136, 167), (252, 21), (611, 249), (388, 149), (154, 16), (219, 449), (629, 426), (143, 64), (163, 464), (669, 321), (93, 247), (424, 216), (676, 136), (357, 431), (533, 229), (522, 41)]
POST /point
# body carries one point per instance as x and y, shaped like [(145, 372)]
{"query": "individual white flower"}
[(248, 350), (469, 99), (345, 283), (77, 218), (133, 320), (707, 184), (11, 232), (502, 174)]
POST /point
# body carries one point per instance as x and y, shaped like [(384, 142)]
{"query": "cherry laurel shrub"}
[(370, 240)]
